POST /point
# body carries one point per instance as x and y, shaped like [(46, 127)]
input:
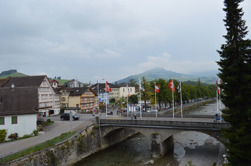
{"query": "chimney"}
[(12, 87)]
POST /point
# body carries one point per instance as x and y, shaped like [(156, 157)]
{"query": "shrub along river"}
[(189, 147)]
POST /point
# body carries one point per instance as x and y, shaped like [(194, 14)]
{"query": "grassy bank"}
[(36, 148)]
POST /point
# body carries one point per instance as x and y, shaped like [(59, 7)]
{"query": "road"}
[(52, 131)]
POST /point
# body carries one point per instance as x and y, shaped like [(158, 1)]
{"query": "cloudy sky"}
[(94, 39)]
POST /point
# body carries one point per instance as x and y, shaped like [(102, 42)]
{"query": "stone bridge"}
[(159, 131)]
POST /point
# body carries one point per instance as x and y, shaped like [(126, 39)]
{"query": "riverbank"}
[(188, 107)]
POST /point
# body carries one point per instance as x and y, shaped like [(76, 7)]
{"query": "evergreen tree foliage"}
[(235, 73)]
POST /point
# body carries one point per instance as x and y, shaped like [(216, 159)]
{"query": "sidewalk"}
[(52, 131)]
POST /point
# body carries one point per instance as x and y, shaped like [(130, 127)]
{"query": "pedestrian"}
[(131, 117), (135, 117)]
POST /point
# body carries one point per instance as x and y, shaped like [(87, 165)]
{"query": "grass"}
[(62, 81), (14, 75), (36, 148)]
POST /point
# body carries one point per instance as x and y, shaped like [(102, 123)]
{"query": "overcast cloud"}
[(111, 39)]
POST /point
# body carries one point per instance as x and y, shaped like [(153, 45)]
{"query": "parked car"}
[(66, 116)]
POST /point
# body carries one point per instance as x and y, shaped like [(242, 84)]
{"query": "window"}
[(63, 99), (1, 120), (14, 120)]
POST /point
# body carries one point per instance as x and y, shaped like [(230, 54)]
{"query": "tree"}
[(133, 99), (146, 93), (162, 95), (132, 82), (235, 73)]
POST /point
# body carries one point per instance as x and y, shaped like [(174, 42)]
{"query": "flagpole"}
[(155, 98), (217, 101), (106, 104), (127, 100), (140, 98), (181, 100), (98, 97), (173, 99)]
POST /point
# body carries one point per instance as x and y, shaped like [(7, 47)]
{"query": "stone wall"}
[(69, 152)]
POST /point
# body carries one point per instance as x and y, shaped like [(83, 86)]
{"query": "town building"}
[(74, 84), (55, 84), (126, 90), (18, 110), (83, 98), (105, 96), (48, 100)]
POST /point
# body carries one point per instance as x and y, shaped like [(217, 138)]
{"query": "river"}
[(195, 147)]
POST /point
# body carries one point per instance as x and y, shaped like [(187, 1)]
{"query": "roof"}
[(25, 81), (79, 91), (18, 101), (57, 90), (124, 84), (51, 81), (102, 85), (3, 81)]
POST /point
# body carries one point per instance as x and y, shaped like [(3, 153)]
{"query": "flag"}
[(179, 87), (140, 86), (171, 86), (108, 88), (156, 88), (217, 88)]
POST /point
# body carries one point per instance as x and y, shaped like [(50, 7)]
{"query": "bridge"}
[(159, 131)]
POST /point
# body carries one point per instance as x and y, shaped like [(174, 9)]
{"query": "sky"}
[(95, 40)]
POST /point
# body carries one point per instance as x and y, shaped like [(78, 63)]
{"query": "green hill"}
[(11, 73), (62, 81)]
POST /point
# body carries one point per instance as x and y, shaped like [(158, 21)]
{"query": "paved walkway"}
[(52, 131)]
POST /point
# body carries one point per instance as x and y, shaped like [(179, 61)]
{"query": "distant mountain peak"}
[(161, 73)]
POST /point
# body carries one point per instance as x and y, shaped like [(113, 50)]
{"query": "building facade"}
[(83, 98), (126, 90), (48, 100), (18, 110)]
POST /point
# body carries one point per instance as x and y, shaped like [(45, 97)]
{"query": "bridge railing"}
[(164, 124)]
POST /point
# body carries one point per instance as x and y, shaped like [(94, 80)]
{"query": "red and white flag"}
[(171, 86), (108, 88), (217, 88), (156, 88)]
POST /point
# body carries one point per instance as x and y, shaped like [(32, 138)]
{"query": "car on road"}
[(66, 116)]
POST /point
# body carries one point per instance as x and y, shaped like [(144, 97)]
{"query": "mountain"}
[(161, 73), (11, 73)]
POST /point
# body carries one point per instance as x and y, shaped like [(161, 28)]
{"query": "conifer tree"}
[(235, 73)]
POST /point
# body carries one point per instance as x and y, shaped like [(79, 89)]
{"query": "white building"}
[(18, 110), (125, 90), (74, 84)]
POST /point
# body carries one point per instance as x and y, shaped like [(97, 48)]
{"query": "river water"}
[(195, 147)]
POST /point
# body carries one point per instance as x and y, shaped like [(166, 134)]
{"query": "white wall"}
[(123, 92), (26, 124)]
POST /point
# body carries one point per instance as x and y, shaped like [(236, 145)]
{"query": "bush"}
[(35, 132), (40, 128), (3, 133), (13, 136), (48, 120), (26, 136)]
